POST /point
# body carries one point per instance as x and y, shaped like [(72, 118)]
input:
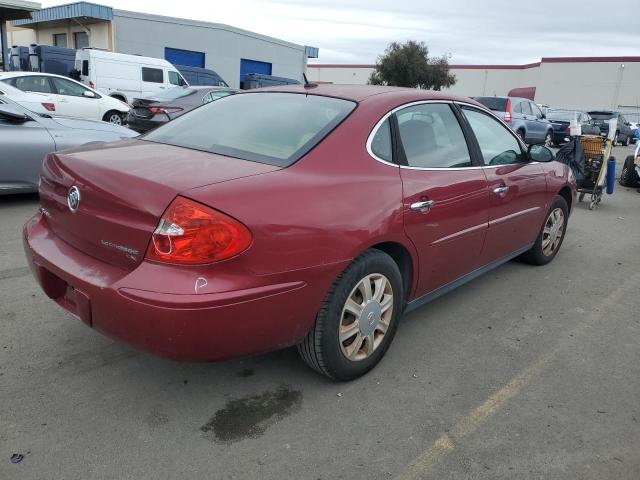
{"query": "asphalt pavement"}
[(526, 372)]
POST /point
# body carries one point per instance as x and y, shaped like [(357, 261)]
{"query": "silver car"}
[(26, 137)]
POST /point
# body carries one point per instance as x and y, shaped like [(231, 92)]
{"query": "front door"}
[(517, 188), (72, 102), (446, 202)]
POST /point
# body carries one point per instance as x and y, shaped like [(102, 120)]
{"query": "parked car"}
[(201, 76), (150, 113), (71, 98), (523, 116), (561, 119), (634, 128), (623, 133), (289, 216), (26, 137), (36, 102), (630, 175), (126, 77)]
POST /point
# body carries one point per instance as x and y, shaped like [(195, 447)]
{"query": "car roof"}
[(359, 93), (28, 74)]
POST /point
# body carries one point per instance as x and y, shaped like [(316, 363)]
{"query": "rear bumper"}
[(142, 125), (196, 327)]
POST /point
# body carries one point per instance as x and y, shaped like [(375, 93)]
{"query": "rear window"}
[(272, 128), (174, 94), (493, 103), (562, 116), (602, 115)]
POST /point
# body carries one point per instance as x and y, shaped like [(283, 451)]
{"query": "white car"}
[(72, 99), (36, 102)]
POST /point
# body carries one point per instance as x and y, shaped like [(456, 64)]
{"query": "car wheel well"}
[(402, 257), (565, 192)]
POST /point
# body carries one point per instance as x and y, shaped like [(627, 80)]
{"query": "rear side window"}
[(153, 75), (211, 96), (432, 137), (32, 83), (526, 108), (493, 103), (381, 142), (272, 128)]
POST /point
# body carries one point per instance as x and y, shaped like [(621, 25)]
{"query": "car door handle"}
[(422, 207), (501, 191)]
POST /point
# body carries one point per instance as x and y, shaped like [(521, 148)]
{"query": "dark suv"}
[(601, 118), (523, 116)]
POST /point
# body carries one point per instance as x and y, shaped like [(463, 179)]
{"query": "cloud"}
[(472, 31)]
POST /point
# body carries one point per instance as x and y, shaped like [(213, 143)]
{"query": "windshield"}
[(493, 103), (272, 128), (174, 93), (562, 116), (602, 115)]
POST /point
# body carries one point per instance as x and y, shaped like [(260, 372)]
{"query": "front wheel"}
[(357, 320), (551, 235), (629, 176), (114, 117)]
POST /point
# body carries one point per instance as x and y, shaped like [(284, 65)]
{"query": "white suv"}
[(71, 98)]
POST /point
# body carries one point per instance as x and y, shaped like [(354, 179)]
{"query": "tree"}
[(409, 65)]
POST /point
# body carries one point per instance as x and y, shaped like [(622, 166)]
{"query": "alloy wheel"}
[(366, 317), (552, 233), (548, 140), (115, 118)]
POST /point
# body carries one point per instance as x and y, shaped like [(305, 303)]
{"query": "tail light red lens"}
[(193, 234), (50, 107), (507, 114), (164, 110)]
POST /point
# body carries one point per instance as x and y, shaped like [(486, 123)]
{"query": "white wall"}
[(223, 46)]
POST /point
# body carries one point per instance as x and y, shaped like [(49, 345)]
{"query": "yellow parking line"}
[(471, 422)]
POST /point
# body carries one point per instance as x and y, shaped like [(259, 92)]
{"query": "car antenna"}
[(308, 84)]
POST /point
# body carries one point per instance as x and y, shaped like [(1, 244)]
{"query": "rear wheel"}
[(551, 235), (548, 139), (357, 320), (114, 117), (626, 141), (629, 176)]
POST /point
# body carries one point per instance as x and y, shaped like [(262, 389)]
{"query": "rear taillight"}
[(507, 114), (49, 107), (568, 129), (164, 110), (194, 234)]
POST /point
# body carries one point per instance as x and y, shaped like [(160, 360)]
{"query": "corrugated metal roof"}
[(71, 10)]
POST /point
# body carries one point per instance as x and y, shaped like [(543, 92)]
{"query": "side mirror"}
[(11, 115), (89, 94), (540, 153)]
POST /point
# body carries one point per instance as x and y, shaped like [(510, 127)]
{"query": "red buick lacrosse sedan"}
[(292, 216)]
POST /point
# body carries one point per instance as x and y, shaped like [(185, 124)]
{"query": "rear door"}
[(517, 187), (446, 202), (532, 134), (541, 124)]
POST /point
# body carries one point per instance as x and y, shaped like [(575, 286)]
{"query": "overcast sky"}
[(471, 31)]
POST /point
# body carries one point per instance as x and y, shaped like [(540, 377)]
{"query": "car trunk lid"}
[(123, 190)]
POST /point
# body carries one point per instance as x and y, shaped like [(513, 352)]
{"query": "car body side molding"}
[(428, 297)]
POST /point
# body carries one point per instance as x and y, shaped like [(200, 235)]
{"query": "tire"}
[(548, 139), (113, 116), (615, 139), (627, 141), (322, 349), (628, 176), (540, 254)]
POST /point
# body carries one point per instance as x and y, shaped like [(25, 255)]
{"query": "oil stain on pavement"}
[(250, 416)]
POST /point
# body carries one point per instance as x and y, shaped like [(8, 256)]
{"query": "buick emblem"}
[(73, 198)]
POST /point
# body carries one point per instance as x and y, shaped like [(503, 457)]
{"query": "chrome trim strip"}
[(428, 297), (513, 215), (448, 102), (460, 233)]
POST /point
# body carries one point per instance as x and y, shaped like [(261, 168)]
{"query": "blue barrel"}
[(611, 174)]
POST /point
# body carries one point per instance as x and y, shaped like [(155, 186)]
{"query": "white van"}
[(126, 77)]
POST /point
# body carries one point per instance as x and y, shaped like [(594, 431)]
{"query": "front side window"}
[(153, 75), (85, 67), (536, 110), (32, 83), (272, 128), (497, 144), (176, 79), (67, 87), (432, 137)]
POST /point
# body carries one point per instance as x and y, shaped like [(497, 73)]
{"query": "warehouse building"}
[(230, 51), (568, 82)]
